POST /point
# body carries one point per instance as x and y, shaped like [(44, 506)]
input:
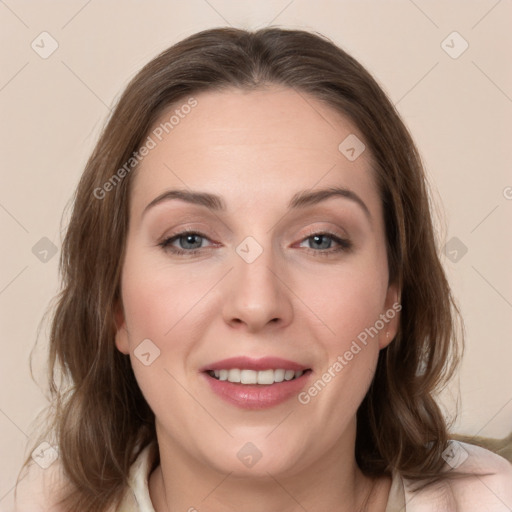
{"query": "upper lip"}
[(248, 363)]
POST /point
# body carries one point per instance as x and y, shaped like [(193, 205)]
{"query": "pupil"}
[(190, 239), (319, 238)]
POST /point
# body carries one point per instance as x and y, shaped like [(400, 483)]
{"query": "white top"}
[(491, 493), (483, 494)]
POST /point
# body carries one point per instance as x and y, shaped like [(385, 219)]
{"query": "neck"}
[(332, 482)]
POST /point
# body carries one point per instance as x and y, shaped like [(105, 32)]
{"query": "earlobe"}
[(385, 340), (392, 316), (121, 338), (121, 341)]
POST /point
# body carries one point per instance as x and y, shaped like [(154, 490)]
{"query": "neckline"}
[(138, 482)]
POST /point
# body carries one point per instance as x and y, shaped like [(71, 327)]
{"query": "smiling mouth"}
[(261, 377)]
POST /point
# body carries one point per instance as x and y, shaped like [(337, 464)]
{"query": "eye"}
[(323, 240), (191, 242)]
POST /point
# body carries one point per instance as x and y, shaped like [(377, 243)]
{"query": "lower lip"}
[(257, 396)]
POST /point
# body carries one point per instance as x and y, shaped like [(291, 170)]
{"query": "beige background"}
[(458, 110)]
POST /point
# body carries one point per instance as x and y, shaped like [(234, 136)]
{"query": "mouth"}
[(244, 377), (256, 383), (256, 390)]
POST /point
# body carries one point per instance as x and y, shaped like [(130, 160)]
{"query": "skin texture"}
[(256, 150)]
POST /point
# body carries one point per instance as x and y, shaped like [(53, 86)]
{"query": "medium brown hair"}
[(99, 418)]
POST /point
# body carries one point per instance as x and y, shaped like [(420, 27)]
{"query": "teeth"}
[(248, 377), (255, 377), (279, 375)]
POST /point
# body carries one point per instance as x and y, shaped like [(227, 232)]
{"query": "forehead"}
[(251, 146)]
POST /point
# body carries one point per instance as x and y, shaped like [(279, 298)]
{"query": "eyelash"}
[(343, 243)]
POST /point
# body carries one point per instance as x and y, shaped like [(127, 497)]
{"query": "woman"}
[(254, 314)]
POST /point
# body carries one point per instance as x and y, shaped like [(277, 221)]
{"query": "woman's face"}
[(257, 279)]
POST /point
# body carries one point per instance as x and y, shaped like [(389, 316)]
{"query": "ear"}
[(390, 316), (121, 340)]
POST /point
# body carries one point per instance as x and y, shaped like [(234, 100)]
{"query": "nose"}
[(256, 294)]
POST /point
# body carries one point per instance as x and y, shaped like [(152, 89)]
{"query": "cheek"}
[(161, 301), (349, 303), (157, 299), (347, 299), (156, 304)]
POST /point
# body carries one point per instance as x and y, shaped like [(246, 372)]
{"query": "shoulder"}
[(487, 492), (38, 488), (490, 490)]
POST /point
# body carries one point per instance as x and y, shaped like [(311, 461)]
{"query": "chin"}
[(256, 459)]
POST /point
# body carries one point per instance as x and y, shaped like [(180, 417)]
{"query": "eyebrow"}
[(301, 199)]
